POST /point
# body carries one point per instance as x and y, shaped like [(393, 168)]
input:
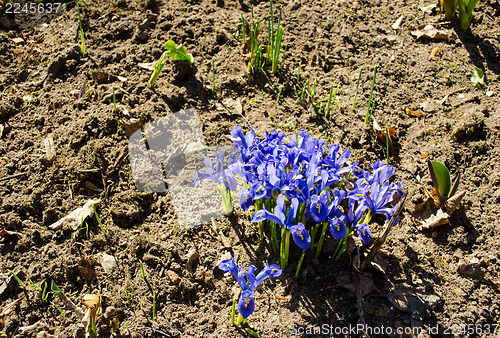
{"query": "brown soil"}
[(39, 83)]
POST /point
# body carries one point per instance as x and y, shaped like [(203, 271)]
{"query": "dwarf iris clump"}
[(246, 304), (305, 186)]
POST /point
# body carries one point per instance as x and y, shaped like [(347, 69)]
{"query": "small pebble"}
[(174, 278)]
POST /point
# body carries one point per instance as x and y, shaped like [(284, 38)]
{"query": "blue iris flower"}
[(378, 197), (340, 223), (318, 206), (246, 304), (220, 175), (299, 233)]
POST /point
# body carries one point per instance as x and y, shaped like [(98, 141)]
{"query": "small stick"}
[(6, 178)]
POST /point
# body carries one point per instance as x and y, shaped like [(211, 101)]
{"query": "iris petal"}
[(337, 228), (300, 236)]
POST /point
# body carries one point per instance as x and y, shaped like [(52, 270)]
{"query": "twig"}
[(6, 178)]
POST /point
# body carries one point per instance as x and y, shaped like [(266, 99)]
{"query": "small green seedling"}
[(114, 106), (441, 180), (42, 290), (176, 53), (370, 105), (465, 8), (273, 41), (60, 310), (142, 270), (256, 62), (17, 278), (477, 78), (82, 36), (99, 221)]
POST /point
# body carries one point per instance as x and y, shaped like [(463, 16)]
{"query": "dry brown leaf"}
[(91, 186), (107, 262), (452, 203), (5, 310), (50, 150), (414, 113), (91, 300), (192, 256), (424, 155), (4, 233), (76, 217), (435, 54), (381, 135), (427, 215), (132, 126), (431, 32)]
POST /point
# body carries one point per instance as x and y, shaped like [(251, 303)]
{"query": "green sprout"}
[(370, 105), (82, 47), (273, 41), (465, 8), (477, 78), (441, 180), (176, 53), (331, 98), (450, 7), (142, 270), (60, 310), (256, 63), (17, 278), (279, 94), (77, 2), (99, 221), (154, 307), (114, 107), (42, 291)]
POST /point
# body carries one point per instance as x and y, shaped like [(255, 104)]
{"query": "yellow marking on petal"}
[(319, 208), (338, 227), (246, 302), (261, 187), (300, 234), (364, 234)]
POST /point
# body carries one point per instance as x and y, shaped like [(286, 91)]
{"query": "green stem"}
[(233, 311), (314, 230), (300, 263), (368, 115), (226, 199), (321, 239), (282, 248), (274, 237)]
